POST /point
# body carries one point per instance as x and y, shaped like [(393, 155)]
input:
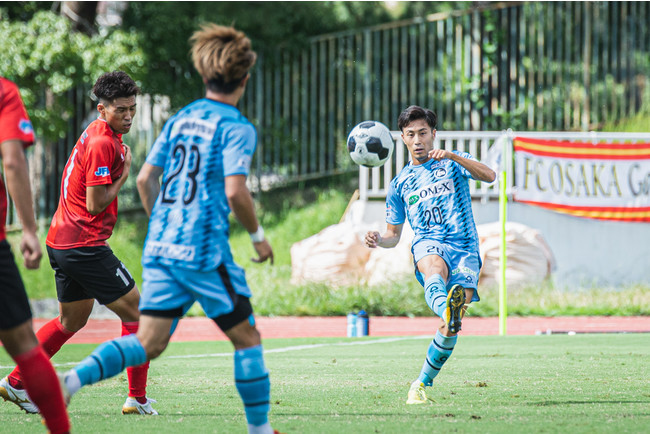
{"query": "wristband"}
[(258, 236)]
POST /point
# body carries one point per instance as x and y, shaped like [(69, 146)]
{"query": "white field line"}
[(275, 350)]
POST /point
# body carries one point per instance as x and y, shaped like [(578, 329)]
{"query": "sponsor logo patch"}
[(26, 126), (439, 188), (245, 162), (463, 270), (440, 172), (102, 171), (170, 251)]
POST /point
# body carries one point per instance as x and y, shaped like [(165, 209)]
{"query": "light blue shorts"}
[(463, 266), (174, 290)]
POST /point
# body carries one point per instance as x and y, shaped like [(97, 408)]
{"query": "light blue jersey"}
[(198, 147), (435, 198)]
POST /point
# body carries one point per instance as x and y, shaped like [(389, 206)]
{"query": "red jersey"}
[(14, 124), (96, 159)]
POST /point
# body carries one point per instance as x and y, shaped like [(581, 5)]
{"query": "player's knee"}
[(245, 338), (74, 323), (155, 349), (153, 345)]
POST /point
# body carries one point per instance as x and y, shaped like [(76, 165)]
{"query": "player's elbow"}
[(93, 208), (141, 181), (491, 176), (13, 163)]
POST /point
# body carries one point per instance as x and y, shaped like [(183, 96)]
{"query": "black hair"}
[(414, 113), (113, 85), (219, 85)]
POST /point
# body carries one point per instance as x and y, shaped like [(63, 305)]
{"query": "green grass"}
[(491, 384), (640, 123), (295, 214)]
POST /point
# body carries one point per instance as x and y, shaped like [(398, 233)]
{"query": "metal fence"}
[(528, 66), (522, 65), (374, 183)]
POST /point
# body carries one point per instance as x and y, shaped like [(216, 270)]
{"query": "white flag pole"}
[(503, 202)]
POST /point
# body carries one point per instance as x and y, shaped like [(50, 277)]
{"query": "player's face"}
[(119, 113), (418, 137)]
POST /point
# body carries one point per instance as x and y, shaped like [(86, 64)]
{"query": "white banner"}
[(607, 181)]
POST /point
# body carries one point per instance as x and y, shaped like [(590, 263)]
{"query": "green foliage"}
[(47, 59), (274, 28), (24, 10), (296, 214)]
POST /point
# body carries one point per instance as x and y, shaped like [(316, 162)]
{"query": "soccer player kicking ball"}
[(432, 192), (204, 154), (16, 331), (84, 265)]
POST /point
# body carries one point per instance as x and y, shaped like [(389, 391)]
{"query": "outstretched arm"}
[(388, 239), (478, 170)]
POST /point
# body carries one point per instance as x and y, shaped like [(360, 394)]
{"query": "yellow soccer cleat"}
[(454, 310), (417, 394)]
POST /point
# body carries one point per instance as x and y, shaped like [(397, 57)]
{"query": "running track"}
[(203, 329)]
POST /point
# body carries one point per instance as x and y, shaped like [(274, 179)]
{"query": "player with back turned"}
[(85, 266), (432, 192), (16, 332), (204, 154)]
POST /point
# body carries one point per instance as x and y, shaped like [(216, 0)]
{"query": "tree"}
[(82, 15)]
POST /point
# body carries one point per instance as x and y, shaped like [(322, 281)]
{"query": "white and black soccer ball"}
[(370, 144)]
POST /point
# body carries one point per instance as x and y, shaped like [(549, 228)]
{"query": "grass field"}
[(533, 384)]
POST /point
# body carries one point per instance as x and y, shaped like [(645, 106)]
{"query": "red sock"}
[(43, 388), (52, 336), (137, 374)]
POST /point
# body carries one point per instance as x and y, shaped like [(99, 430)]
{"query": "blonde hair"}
[(222, 56)]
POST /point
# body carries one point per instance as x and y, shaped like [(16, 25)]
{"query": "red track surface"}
[(203, 329)]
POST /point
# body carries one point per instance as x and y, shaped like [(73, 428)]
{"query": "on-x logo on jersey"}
[(439, 188), (102, 171)]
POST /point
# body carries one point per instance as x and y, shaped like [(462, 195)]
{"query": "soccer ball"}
[(370, 144)]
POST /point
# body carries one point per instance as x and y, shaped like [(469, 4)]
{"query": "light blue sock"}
[(435, 293), (253, 384), (439, 351), (109, 359)]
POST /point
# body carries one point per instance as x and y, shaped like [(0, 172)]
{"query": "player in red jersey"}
[(85, 267), (16, 332)]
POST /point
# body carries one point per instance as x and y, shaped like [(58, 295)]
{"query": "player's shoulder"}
[(404, 175), (9, 95), (97, 134), (7, 88)]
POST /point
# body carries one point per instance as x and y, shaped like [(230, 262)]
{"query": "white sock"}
[(260, 429), (72, 382)]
